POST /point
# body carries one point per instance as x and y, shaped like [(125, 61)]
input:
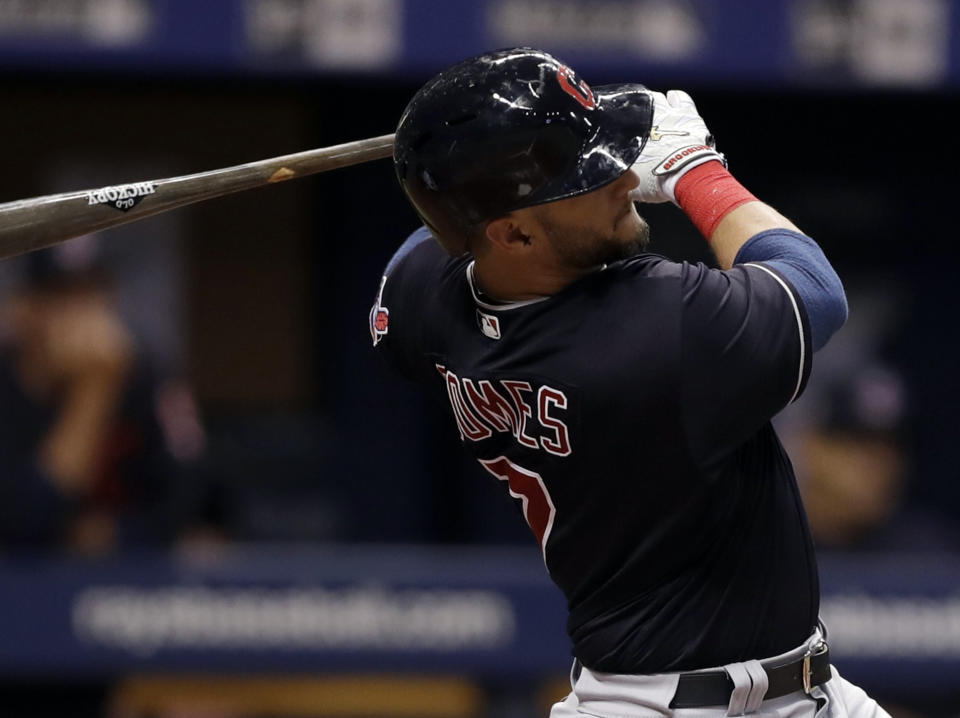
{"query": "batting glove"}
[(679, 141)]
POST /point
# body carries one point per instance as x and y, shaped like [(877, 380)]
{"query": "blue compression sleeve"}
[(803, 263)]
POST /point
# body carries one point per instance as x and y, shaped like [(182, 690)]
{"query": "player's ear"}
[(507, 233)]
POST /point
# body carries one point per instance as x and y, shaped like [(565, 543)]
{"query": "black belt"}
[(713, 688)]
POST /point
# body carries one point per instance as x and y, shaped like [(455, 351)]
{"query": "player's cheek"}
[(633, 218)]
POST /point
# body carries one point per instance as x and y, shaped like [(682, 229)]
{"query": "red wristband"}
[(709, 193)]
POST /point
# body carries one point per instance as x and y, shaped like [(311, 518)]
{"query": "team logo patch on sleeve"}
[(379, 317)]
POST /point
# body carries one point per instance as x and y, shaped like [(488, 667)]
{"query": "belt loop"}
[(824, 633), (760, 684), (742, 684)]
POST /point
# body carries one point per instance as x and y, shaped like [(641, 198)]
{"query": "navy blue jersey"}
[(629, 414)]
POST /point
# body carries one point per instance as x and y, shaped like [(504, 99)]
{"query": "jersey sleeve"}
[(399, 313), (745, 352)]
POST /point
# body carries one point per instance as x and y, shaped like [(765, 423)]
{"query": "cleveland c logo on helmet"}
[(580, 91)]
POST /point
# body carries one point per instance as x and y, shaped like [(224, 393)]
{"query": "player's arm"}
[(745, 354), (724, 211), (680, 164), (748, 332), (737, 225), (742, 230)]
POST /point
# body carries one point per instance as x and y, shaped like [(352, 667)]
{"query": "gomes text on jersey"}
[(501, 420), (534, 415)]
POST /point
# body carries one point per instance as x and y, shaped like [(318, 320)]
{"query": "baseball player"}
[(624, 399)]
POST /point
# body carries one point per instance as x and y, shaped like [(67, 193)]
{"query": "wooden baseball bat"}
[(30, 224)]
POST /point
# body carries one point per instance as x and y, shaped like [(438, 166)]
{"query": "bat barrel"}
[(30, 224)]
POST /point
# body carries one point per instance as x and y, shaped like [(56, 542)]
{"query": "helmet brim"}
[(624, 116)]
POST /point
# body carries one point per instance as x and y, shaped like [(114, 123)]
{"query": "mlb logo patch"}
[(379, 317), (489, 324)]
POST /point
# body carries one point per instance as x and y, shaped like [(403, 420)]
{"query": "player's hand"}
[(679, 141)]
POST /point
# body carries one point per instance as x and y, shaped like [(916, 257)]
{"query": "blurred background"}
[(214, 500)]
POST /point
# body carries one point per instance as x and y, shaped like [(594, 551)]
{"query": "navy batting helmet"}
[(511, 129)]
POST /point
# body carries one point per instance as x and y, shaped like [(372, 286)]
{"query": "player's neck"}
[(520, 281)]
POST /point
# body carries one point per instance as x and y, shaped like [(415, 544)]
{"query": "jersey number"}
[(527, 486)]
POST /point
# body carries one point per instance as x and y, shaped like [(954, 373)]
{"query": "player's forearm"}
[(742, 223), (724, 211)]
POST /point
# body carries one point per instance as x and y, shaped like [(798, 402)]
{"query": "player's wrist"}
[(707, 193), (704, 155)]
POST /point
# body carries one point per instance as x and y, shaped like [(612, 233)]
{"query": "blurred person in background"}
[(854, 468), (95, 448)]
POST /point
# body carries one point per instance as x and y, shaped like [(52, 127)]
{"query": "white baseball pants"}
[(610, 695)]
